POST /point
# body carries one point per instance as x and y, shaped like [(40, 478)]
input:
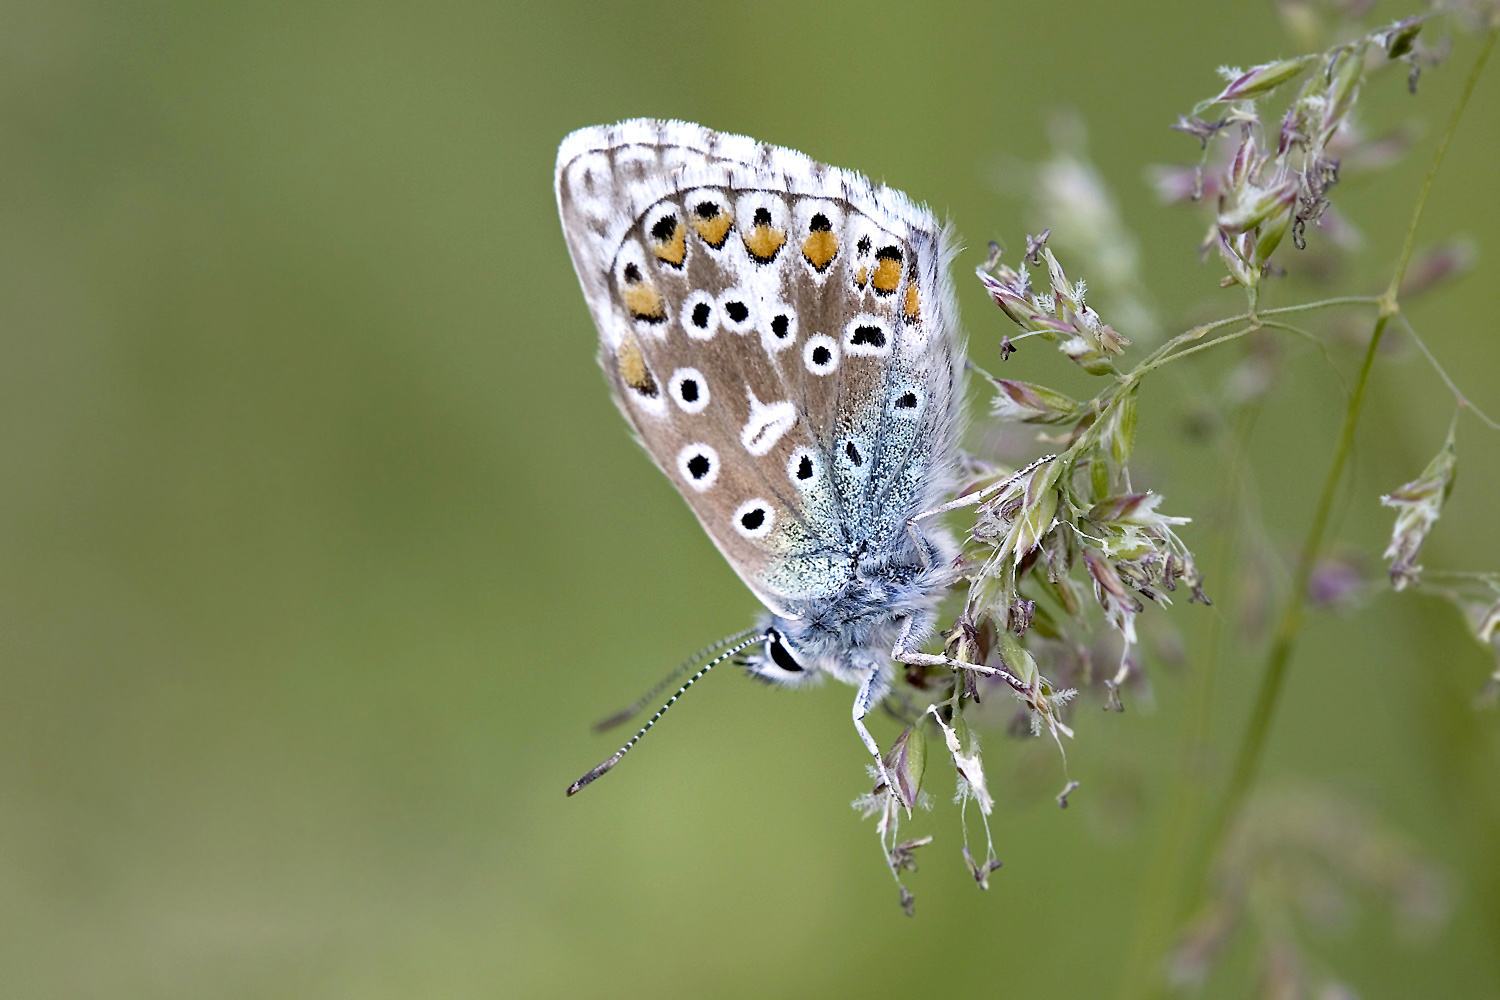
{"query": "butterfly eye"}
[(821, 245), (632, 367), (780, 655)]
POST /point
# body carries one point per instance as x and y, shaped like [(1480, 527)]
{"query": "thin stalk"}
[(1317, 342), (1458, 395), (1342, 300), (1152, 365), (1288, 628), (1187, 337), (1160, 356), (1389, 298)]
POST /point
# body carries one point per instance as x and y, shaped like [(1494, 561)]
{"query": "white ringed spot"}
[(867, 334), (754, 518), (698, 464), (820, 354), (778, 329), (689, 390), (700, 316), (802, 468), (735, 312)]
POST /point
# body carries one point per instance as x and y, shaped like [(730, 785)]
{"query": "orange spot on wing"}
[(820, 248), (764, 243), (913, 302), (861, 276), (632, 366), (887, 276), (711, 224), (674, 248), (645, 302)]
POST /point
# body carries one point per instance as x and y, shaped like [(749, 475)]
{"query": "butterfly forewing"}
[(786, 359)]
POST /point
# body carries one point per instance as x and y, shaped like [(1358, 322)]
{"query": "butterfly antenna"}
[(601, 769), (639, 705)]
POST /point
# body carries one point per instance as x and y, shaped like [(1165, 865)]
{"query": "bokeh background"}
[(321, 544)]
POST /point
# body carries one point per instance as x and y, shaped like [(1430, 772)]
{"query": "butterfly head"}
[(780, 659), (800, 652)]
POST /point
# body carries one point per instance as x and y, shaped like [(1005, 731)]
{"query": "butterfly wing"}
[(780, 334)]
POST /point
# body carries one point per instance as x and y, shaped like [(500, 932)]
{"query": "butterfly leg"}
[(908, 650), (942, 563), (870, 693), (923, 545)]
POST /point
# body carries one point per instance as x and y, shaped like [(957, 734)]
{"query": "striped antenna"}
[(639, 705), (601, 769)]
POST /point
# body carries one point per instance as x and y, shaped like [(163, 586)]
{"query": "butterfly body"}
[(782, 337)]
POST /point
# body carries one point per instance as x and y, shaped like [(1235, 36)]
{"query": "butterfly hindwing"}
[(781, 336)]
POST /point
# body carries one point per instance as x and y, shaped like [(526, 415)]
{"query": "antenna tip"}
[(594, 773)]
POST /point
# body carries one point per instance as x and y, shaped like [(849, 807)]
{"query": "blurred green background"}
[(321, 543)]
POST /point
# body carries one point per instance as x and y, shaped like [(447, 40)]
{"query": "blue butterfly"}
[(783, 338)]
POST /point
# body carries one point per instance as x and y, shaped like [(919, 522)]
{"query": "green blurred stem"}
[(1252, 747), (1167, 878)]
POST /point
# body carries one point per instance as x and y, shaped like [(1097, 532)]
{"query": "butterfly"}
[(782, 337)]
